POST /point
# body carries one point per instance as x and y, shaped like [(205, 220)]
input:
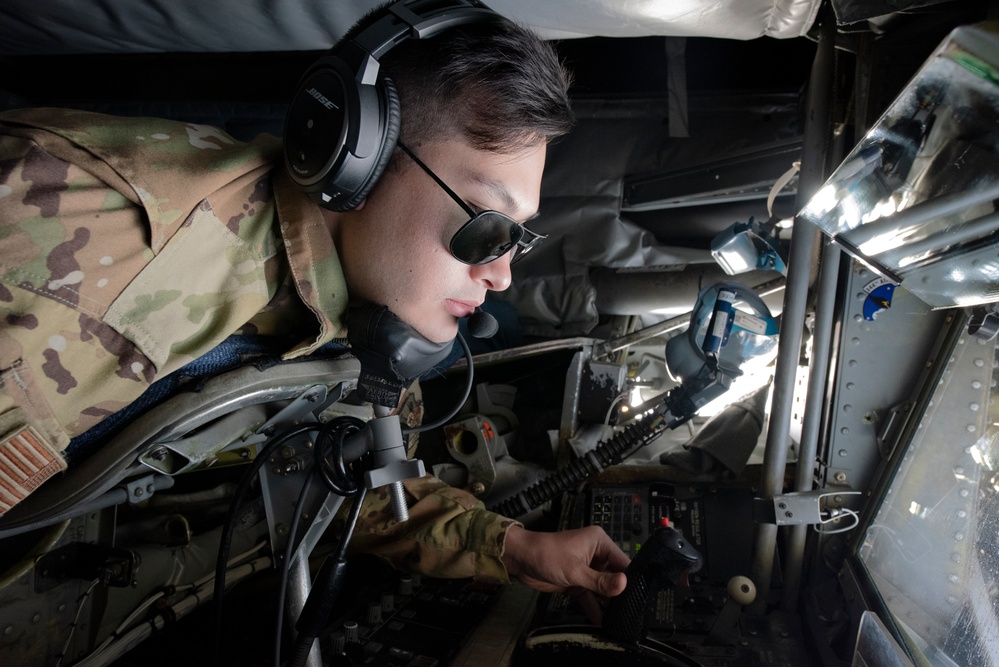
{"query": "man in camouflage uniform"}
[(131, 246)]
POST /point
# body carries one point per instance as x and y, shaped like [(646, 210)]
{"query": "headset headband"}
[(343, 121)]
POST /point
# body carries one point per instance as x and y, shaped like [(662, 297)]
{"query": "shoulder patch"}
[(26, 460)]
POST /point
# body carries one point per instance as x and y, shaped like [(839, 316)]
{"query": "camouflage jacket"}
[(131, 246)]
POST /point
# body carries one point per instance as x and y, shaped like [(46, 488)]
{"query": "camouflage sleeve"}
[(449, 534)]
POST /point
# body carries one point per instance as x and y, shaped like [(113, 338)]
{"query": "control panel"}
[(424, 622), (700, 621), (413, 621), (623, 514)]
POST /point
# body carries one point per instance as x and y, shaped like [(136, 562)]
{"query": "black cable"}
[(333, 469), (608, 453), (289, 552), (337, 477), (329, 579), (468, 391), (229, 527), (324, 591), (348, 529)]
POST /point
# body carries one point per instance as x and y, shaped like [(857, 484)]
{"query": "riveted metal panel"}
[(880, 357)]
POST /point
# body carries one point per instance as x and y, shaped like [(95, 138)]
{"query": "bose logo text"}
[(325, 101)]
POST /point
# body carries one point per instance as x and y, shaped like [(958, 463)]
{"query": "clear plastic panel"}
[(932, 550)]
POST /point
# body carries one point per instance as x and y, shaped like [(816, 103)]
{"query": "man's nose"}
[(495, 275)]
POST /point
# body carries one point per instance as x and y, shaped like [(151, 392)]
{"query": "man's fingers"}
[(610, 584), (617, 560), (606, 584)]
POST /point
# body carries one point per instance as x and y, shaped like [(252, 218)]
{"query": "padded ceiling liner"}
[(142, 26)]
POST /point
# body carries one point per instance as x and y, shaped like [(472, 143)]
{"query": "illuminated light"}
[(734, 263), (751, 380), (625, 408), (635, 397), (882, 243), (822, 202), (673, 311), (850, 218), (915, 508), (882, 209)]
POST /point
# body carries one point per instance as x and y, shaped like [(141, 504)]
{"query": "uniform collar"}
[(315, 266)]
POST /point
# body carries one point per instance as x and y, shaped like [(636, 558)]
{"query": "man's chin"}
[(438, 333)]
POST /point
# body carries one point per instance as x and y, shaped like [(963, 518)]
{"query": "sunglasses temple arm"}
[(451, 193)]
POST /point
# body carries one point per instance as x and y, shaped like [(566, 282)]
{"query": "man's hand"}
[(584, 558)]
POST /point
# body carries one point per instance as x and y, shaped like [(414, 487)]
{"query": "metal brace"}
[(141, 488), (312, 400), (201, 448), (792, 509)]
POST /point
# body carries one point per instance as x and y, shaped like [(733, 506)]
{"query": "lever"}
[(665, 559), (741, 592)]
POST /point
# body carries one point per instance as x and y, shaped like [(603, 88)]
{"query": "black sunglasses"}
[(486, 236)]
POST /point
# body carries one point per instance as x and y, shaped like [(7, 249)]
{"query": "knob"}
[(374, 613), (741, 590), (350, 631), (338, 642)]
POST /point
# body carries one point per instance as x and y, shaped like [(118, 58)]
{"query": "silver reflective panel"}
[(915, 200)]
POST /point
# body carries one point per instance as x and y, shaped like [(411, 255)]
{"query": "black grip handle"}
[(665, 559)]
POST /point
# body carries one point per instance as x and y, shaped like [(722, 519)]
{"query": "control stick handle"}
[(665, 559)]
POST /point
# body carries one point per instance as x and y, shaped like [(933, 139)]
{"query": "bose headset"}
[(343, 121)]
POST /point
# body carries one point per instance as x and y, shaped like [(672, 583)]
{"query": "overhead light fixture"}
[(915, 200), (746, 246)]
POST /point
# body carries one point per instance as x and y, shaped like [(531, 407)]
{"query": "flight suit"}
[(132, 246)]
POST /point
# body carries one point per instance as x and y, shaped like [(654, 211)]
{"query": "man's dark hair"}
[(495, 83)]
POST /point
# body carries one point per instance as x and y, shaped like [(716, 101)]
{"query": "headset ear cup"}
[(390, 135)]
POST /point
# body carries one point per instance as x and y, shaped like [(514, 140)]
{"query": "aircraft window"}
[(932, 550)]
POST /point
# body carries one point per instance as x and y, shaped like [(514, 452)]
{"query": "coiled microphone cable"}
[(608, 453)]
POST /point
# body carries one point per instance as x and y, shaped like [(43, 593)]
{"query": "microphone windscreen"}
[(482, 325)]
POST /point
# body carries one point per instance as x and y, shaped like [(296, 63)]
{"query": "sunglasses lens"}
[(486, 237)]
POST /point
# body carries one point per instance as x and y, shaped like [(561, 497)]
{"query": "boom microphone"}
[(482, 325)]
